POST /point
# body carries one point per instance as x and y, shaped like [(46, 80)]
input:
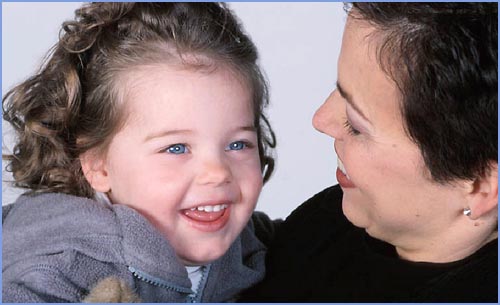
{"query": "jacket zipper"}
[(157, 281), (196, 296)]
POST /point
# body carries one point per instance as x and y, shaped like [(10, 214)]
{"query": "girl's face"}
[(387, 188), (187, 158)]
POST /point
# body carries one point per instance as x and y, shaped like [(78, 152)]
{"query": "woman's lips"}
[(207, 221), (342, 178)]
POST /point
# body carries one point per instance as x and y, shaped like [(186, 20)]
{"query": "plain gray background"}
[(298, 43)]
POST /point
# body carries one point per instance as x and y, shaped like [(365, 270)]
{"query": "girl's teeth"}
[(210, 208)]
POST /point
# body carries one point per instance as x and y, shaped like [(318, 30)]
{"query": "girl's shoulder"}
[(46, 211), (57, 246), (42, 224)]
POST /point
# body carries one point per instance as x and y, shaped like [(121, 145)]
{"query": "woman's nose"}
[(328, 117), (214, 171)]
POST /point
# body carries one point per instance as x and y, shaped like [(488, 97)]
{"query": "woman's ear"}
[(95, 171), (483, 193)]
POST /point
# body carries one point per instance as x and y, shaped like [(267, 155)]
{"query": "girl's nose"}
[(214, 172), (328, 117)]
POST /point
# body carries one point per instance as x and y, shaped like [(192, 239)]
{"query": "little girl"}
[(144, 147)]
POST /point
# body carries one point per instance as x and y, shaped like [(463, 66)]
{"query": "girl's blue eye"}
[(177, 149), (237, 145)]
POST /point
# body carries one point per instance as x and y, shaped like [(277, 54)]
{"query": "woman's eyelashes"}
[(350, 129)]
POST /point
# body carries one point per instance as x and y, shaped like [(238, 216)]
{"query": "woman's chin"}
[(353, 214)]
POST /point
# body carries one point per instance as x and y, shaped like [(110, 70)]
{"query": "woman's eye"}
[(350, 129), (177, 149), (237, 145)]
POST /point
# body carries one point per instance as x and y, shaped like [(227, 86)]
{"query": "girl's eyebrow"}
[(348, 97), (248, 128), (169, 132), (164, 133)]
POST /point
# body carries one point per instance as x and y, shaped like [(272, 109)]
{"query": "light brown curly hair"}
[(71, 105)]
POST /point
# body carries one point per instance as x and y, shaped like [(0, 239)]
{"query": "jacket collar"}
[(146, 250)]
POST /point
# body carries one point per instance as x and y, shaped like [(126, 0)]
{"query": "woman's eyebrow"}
[(348, 97)]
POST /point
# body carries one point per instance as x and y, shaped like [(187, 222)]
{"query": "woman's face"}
[(387, 187)]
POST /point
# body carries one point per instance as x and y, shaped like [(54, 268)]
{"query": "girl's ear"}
[(95, 171), (483, 193)]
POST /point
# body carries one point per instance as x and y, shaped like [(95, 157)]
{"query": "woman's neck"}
[(454, 247)]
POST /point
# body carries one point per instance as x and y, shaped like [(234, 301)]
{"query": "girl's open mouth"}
[(208, 218)]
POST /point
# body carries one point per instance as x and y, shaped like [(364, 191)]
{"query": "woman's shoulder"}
[(315, 224), (474, 279), (325, 206)]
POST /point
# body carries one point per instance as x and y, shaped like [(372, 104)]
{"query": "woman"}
[(414, 119)]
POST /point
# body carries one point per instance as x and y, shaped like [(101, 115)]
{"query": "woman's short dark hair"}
[(443, 58), (72, 104)]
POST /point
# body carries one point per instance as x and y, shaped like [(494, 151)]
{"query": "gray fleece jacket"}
[(56, 247)]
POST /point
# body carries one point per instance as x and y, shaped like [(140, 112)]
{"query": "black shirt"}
[(317, 255)]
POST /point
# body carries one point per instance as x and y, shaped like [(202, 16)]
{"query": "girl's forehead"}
[(166, 99), (130, 80), (165, 81)]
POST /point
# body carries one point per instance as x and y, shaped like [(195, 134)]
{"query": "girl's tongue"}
[(206, 214)]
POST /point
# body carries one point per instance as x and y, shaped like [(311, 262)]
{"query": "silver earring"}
[(467, 211)]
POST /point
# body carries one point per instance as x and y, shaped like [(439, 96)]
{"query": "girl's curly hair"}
[(71, 104)]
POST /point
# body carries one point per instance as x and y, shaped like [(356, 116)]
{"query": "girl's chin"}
[(195, 259)]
